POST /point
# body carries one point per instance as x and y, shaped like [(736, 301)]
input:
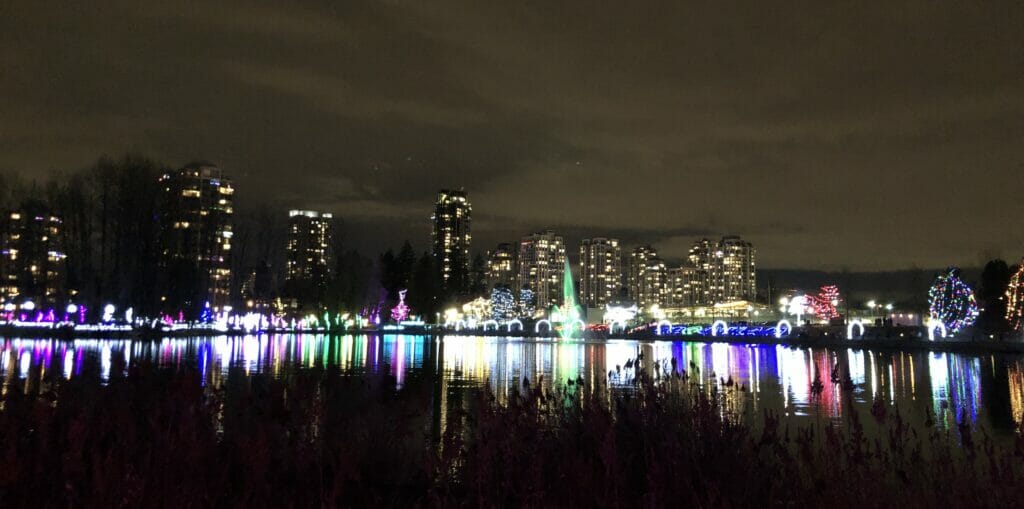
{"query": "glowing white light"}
[(516, 322), (108, 313), (871, 304), (536, 328), (105, 362), (25, 363), (855, 324), (619, 314), (719, 325), (28, 305), (69, 363), (935, 324), (778, 328), (72, 309), (488, 323), (128, 315), (797, 307), (663, 323)]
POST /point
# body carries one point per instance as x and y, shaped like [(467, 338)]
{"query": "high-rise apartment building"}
[(600, 271), (725, 270), (451, 237), (196, 229), (736, 276), (681, 287), (308, 255), (501, 266), (32, 261), (651, 290), (541, 267), (638, 266), (703, 260)]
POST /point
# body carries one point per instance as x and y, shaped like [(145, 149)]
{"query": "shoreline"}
[(833, 341)]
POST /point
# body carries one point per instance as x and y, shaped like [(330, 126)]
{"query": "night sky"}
[(839, 137)]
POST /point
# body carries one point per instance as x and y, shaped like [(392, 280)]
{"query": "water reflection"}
[(985, 390)]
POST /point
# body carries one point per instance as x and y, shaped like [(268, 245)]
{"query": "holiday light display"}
[(503, 304), (477, 310), (527, 303), (1015, 299), (797, 306), (570, 312), (824, 304), (951, 301), (401, 310), (206, 316), (619, 314)]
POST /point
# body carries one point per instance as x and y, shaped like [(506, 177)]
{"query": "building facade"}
[(682, 287), (600, 271), (643, 286), (541, 268), (196, 230), (652, 286), (32, 261), (736, 272), (309, 256), (451, 237), (501, 267), (725, 271)]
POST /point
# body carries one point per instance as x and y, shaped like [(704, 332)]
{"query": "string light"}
[(527, 303), (825, 303), (951, 301), (1015, 299), (503, 304), (401, 311)]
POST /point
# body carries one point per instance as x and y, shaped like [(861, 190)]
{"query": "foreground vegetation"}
[(319, 439)]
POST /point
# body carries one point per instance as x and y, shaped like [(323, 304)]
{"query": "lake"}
[(986, 390)]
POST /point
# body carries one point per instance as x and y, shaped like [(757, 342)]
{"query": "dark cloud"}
[(851, 135)]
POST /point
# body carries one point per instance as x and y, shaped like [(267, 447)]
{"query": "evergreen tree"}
[(992, 296)]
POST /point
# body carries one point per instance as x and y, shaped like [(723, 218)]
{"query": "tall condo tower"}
[(451, 237)]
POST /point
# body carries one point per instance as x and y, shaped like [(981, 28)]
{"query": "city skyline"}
[(827, 144)]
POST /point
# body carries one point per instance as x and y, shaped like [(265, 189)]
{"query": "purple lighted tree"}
[(401, 311)]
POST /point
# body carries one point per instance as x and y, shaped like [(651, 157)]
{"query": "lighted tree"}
[(527, 302), (1015, 299), (951, 301), (401, 311), (503, 304), (826, 302)]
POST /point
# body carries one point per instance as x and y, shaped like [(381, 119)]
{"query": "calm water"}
[(987, 390)]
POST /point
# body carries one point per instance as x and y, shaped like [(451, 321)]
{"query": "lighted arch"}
[(574, 323), (459, 324), (620, 323), (663, 323), (719, 324), (778, 328), (536, 328), (488, 323), (516, 322), (935, 324), (855, 324)]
